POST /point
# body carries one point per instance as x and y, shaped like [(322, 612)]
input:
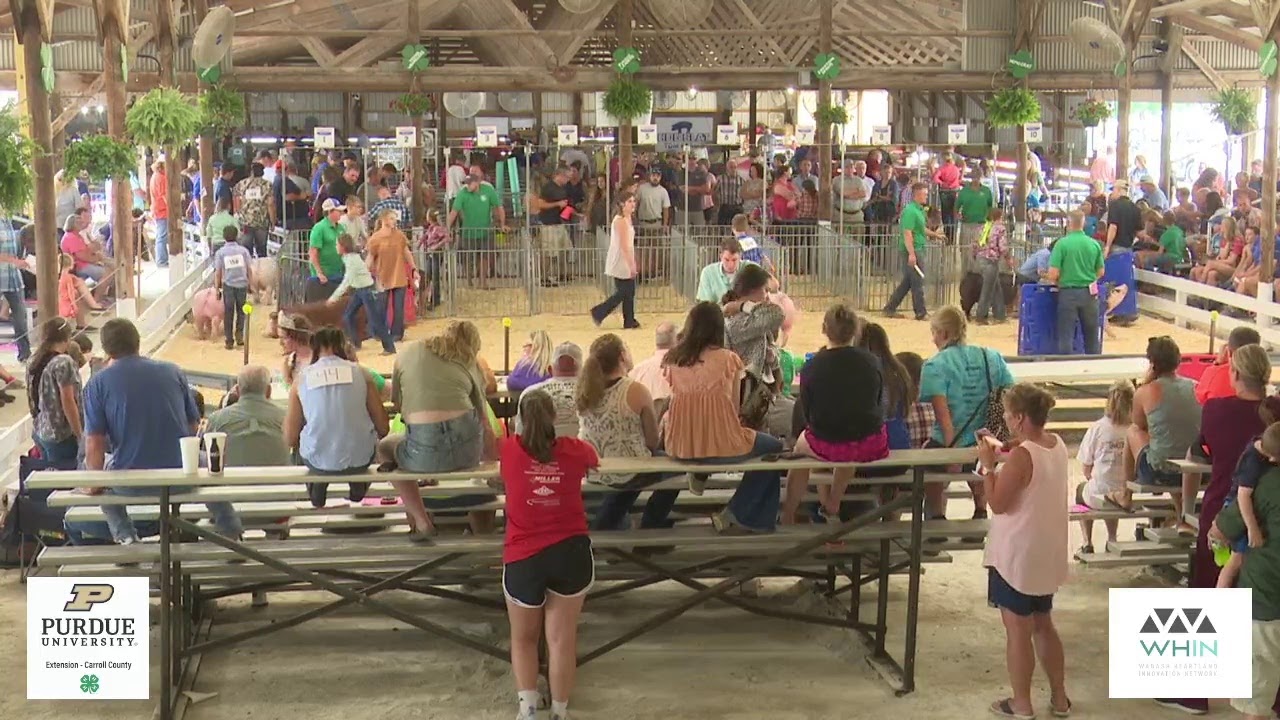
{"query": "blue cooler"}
[(1119, 271), (1038, 321)]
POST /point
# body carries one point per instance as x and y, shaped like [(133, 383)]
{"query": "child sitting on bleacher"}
[(921, 415), (1260, 456), (1102, 457)]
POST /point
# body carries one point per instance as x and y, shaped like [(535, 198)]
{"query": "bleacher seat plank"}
[(1144, 548), (1158, 489), (1168, 536), (1194, 467), (1113, 560), (467, 480)]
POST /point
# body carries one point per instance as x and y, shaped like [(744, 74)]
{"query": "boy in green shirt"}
[(1173, 248), (912, 234), (325, 260)]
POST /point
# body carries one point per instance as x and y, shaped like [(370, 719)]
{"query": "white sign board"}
[(677, 131), (568, 134), (806, 135), (406, 136), (486, 136), (87, 638), (880, 134), (324, 138), (1033, 132), (726, 134), (647, 134), (958, 134), (428, 141)]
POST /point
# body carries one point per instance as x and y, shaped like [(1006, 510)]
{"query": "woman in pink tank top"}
[(1026, 554)]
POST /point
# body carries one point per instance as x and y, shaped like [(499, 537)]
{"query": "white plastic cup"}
[(190, 455), (215, 444)]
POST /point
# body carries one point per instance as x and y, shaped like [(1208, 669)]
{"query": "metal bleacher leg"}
[(166, 597), (913, 580), (855, 590)]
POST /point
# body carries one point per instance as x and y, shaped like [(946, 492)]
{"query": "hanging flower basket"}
[(413, 104), (627, 99), (1092, 112), (17, 187), (102, 157), (1012, 107), (221, 109), (828, 115), (164, 117), (1236, 109)]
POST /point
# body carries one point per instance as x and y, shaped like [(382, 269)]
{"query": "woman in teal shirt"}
[(957, 382)]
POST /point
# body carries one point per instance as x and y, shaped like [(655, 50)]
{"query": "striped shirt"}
[(392, 203), (10, 278)]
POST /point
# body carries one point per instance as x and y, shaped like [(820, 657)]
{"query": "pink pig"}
[(790, 313), (206, 312)]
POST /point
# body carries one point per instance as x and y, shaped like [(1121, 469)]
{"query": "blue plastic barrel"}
[(1119, 271), (1038, 322)]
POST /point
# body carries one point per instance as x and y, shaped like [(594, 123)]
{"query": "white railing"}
[(1266, 313), (156, 325)]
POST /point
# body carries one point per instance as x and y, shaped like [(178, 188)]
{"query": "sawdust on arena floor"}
[(906, 335)]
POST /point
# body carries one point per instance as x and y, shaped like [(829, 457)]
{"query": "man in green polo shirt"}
[(326, 262), (476, 203), (912, 235), (974, 202), (1075, 265)]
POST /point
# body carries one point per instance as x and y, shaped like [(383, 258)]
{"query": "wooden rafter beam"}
[(369, 50), (1204, 65), (1169, 8), (566, 32), (498, 16), (1266, 16), (1220, 30), (77, 104), (319, 50)]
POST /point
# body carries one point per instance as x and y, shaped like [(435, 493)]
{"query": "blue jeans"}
[(374, 314), (162, 243), (97, 532), (432, 270), (122, 528), (21, 329), (615, 506), (58, 450), (754, 504), (911, 282), (317, 291), (1078, 305), (394, 299)]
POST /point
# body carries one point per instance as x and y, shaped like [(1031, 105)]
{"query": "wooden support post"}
[(753, 115), (623, 22), (114, 37), (165, 43), (31, 33), (418, 201), (1166, 109), (1270, 150), (1060, 126), (206, 178), (59, 142), (824, 137)]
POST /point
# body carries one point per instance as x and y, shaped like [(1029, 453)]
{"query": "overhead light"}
[(84, 110), (692, 92), (791, 89), (100, 108)]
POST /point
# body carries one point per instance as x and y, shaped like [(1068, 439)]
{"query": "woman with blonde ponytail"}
[(616, 415)]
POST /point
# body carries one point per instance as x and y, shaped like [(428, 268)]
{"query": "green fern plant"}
[(1236, 109), (164, 117), (1012, 107), (828, 115), (17, 185), (101, 156), (627, 99), (221, 109)]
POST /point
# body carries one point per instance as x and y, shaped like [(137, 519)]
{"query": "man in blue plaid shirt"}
[(11, 286), (388, 201)]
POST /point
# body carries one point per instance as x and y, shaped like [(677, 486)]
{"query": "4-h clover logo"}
[(88, 683)]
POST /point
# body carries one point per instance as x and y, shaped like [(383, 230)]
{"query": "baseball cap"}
[(1121, 185), (1145, 179), (567, 350), (296, 323), (331, 204)]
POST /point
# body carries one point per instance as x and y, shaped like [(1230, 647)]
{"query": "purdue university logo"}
[(85, 596)]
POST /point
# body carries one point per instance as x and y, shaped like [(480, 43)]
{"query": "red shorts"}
[(871, 447)]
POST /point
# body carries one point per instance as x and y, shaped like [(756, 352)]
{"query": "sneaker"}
[(228, 345), (1190, 707), (697, 483), (890, 313), (631, 326)]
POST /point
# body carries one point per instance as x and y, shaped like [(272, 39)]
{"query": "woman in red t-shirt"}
[(547, 561)]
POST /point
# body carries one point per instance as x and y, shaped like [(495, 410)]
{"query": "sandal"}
[(1086, 549), (1113, 499), (423, 537), (1062, 713), (1004, 708)]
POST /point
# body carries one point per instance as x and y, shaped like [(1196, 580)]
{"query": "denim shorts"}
[(1000, 594), (1148, 475), (441, 447)]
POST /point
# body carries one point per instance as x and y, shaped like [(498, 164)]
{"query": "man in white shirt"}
[(648, 372), (566, 363), (454, 178), (653, 202), (852, 190)]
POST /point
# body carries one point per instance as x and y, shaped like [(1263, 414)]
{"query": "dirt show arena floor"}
[(906, 334)]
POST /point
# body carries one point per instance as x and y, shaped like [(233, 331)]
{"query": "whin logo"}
[(85, 596), (1178, 622)]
